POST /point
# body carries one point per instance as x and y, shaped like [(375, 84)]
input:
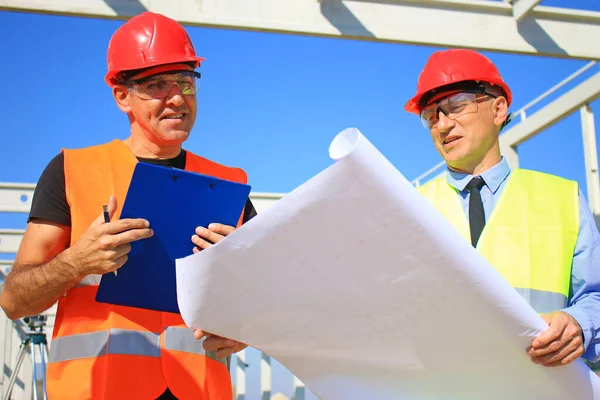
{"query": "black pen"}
[(107, 220), (106, 216)]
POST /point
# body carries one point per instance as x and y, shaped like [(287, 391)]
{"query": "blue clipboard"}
[(175, 202)]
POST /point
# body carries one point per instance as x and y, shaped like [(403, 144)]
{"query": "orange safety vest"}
[(104, 351)]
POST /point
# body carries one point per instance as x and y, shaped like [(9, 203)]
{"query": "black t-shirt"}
[(50, 197)]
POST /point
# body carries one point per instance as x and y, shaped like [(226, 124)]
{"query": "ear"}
[(500, 109), (122, 98)]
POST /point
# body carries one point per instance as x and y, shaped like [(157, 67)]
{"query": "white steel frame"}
[(486, 25), (512, 26)]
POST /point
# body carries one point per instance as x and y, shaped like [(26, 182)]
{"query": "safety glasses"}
[(159, 86), (453, 106)]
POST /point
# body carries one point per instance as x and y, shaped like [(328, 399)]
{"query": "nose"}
[(174, 97), (445, 124)]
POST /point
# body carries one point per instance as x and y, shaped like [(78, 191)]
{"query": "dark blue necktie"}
[(476, 213)]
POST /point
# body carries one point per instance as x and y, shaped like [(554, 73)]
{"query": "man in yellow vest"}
[(103, 351), (535, 229)]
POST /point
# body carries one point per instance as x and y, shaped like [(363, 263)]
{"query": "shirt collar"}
[(493, 177)]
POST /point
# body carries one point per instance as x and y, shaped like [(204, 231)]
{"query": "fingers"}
[(214, 342), (556, 330), (122, 250), (570, 335), (204, 238), (568, 359), (207, 235), (200, 243), (199, 334), (572, 350), (221, 229), (224, 352), (127, 224), (560, 344), (112, 208), (119, 262), (132, 236), (222, 346)]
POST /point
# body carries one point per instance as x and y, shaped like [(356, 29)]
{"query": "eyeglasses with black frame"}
[(454, 106)]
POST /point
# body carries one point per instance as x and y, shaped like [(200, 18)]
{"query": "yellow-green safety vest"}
[(530, 236)]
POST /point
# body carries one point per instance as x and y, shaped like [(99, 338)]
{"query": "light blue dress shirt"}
[(584, 300)]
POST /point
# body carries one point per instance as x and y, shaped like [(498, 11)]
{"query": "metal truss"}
[(522, 27)]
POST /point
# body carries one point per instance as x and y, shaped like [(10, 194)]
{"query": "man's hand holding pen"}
[(104, 246)]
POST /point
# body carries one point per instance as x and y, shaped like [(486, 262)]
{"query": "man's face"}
[(164, 106), (464, 126)]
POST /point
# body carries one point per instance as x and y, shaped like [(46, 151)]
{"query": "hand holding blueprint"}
[(359, 287)]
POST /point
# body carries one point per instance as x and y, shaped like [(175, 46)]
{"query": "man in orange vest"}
[(103, 351), (535, 229)]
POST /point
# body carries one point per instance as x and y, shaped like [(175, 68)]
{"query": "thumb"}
[(111, 208), (547, 318), (199, 334)]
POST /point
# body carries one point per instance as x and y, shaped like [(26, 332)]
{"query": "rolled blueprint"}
[(357, 285)]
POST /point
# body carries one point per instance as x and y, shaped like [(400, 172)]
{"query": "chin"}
[(176, 136)]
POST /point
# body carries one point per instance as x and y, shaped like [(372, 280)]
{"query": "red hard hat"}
[(147, 40), (452, 66)]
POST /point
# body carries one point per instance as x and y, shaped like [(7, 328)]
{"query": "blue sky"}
[(268, 103)]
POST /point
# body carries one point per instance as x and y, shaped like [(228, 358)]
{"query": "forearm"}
[(585, 312), (31, 289), (584, 304)]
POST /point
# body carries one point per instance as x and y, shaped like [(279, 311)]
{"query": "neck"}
[(142, 147), (478, 167)]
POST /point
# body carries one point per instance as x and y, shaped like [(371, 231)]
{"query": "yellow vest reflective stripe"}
[(530, 236)]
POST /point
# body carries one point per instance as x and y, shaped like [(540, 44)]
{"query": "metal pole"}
[(591, 159), (34, 371), (43, 357), (299, 389), (265, 377), (511, 155), (15, 371), (240, 375)]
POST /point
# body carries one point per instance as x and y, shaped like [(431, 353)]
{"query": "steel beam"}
[(15, 197), (522, 7), (582, 94), (484, 25), (240, 375), (591, 159), (262, 201), (265, 377), (10, 240), (5, 266)]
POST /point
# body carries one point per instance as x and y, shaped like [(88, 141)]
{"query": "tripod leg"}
[(43, 356), (15, 372), (34, 379)]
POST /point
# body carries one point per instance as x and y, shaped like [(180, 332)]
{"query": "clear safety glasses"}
[(453, 106), (159, 86)]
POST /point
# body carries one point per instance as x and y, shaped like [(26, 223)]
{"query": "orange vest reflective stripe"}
[(104, 351)]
